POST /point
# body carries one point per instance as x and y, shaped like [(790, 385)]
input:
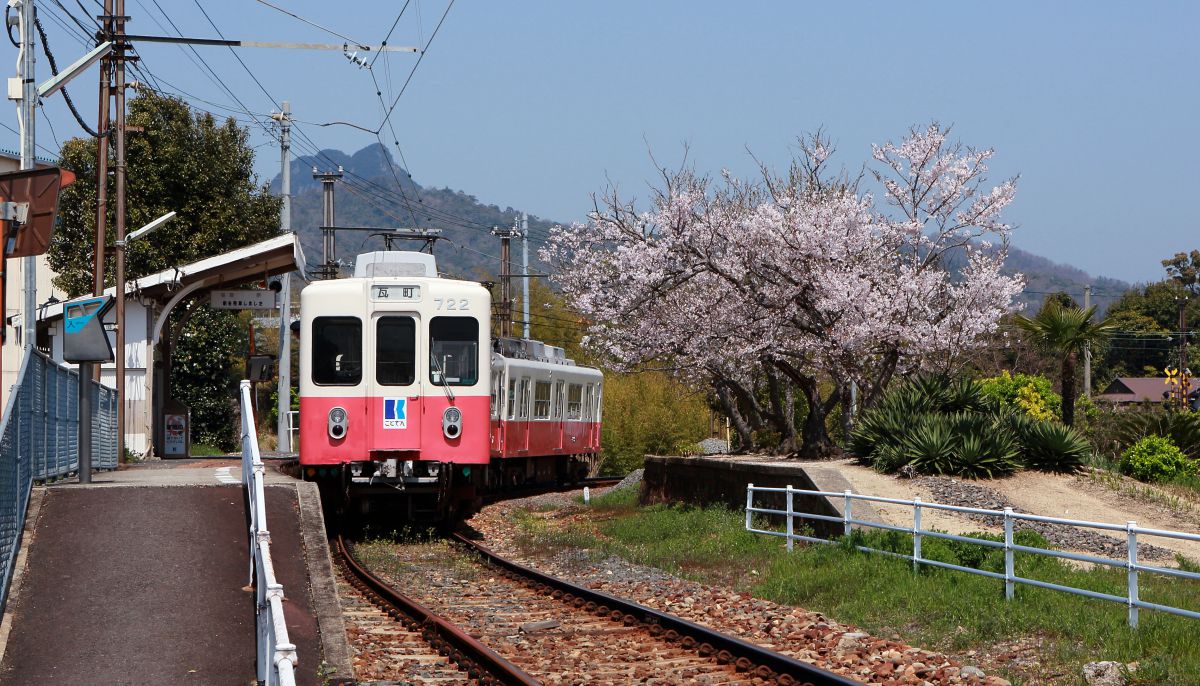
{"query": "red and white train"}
[(405, 394)]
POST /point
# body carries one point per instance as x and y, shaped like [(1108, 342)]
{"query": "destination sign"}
[(395, 293)]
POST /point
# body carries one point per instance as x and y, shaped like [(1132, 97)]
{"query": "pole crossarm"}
[(221, 42)]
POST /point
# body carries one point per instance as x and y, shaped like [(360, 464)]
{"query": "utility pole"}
[(328, 268), (119, 178), (284, 392), (525, 271), (1087, 348), (1184, 374), (506, 235), (102, 124), (29, 100)]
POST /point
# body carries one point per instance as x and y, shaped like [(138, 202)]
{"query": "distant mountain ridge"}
[(378, 192)]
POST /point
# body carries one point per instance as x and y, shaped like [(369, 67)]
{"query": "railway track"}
[(559, 633), (397, 640)]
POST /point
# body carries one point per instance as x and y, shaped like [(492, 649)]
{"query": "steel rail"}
[(747, 656), (479, 661)]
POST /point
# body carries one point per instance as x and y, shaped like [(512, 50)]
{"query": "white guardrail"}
[(1009, 517), (276, 654)]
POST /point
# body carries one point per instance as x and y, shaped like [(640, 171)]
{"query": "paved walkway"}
[(141, 578)]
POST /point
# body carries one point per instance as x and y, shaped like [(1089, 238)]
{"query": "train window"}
[(395, 351), (559, 399), (454, 351), (512, 398), (541, 400), (599, 397), (337, 351), (524, 398), (587, 403), (497, 395), (574, 401)]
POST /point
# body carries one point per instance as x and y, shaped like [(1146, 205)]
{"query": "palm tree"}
[(1066, 331)]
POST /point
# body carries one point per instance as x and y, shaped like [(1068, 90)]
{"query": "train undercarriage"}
[(431, 492)]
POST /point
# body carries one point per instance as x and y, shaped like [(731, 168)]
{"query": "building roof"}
[(1135, 389), (274, 256)]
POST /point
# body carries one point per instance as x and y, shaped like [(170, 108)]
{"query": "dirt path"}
[(1080, 497)]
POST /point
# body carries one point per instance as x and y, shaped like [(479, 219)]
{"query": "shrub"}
[(1155, 458), (1031, 394), (964, 444), (1182, 428), (1053, 447)]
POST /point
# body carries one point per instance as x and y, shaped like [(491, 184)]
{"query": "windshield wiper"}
[(442, 375)]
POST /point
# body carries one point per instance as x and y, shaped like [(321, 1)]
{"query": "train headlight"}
[(452, 422), (338, 423)]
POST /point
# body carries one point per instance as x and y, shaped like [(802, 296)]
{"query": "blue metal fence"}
[(39, 441)]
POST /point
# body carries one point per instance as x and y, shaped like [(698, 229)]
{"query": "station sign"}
[(246, 299)]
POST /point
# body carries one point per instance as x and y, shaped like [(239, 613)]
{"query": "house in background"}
[(1127, 390)]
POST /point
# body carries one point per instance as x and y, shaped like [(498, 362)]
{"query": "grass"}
[(938, 609), (206, 450)]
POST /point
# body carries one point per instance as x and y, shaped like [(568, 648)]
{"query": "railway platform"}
[(142, 577)]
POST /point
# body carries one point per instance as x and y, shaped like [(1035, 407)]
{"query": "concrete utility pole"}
[(102, 124), (328, 268), (29, 100), (525, 271), (505, 235), (119, 178), (284, 392), (1087, 349)]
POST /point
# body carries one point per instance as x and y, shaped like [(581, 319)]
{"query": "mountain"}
[(377, 192)]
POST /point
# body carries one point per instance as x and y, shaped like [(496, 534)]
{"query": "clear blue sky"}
[(538, 105)]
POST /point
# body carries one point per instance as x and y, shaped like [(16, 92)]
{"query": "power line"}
[(420, 57), (331, 32)]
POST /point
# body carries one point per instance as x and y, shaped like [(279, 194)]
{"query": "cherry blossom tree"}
[(798, 281)]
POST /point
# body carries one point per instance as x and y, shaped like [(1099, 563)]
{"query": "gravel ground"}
[(966, 494), (805, 635)]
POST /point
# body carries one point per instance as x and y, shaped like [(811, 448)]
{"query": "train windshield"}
[(454, 351), (337, 351), (395, 351)]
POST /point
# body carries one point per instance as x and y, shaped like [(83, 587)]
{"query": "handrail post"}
[(1131, 544), (916, 534), (1009, 566), (846, 516), (789, 518), (749, 504)]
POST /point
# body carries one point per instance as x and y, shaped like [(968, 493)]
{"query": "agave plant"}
[(1053, 447)]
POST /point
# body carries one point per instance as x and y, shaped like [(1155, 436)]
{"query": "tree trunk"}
[(782, 413), (1068, 389), (815, 438), (740, 425)]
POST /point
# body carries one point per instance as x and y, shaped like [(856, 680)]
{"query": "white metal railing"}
[(1009, 517), (276, 655)]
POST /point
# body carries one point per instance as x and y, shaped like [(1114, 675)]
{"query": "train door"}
[(560, 399), (499, 385), (394, 387), (524, 391)]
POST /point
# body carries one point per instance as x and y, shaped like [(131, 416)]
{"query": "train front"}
[(394, 386)]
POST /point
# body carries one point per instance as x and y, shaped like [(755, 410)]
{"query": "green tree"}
[(1184, 269), (202, 170), (1066, 331)]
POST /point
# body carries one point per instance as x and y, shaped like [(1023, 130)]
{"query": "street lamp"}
[(120, 343)]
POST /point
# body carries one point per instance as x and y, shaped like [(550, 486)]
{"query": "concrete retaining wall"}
[(722, 481)]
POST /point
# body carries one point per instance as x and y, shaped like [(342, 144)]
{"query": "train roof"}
[(395, 263)]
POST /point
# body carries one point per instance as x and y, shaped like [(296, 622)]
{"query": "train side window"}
[(337, 351), (599, 398), (574, 401), (587, 403), (497, 395), (524, 398), (512, 399), (454, 351), (559, 399), (395, 351), (541, 400)]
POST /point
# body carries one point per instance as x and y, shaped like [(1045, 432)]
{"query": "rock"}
[(971, 671), (1105, 674), (851, 641)]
